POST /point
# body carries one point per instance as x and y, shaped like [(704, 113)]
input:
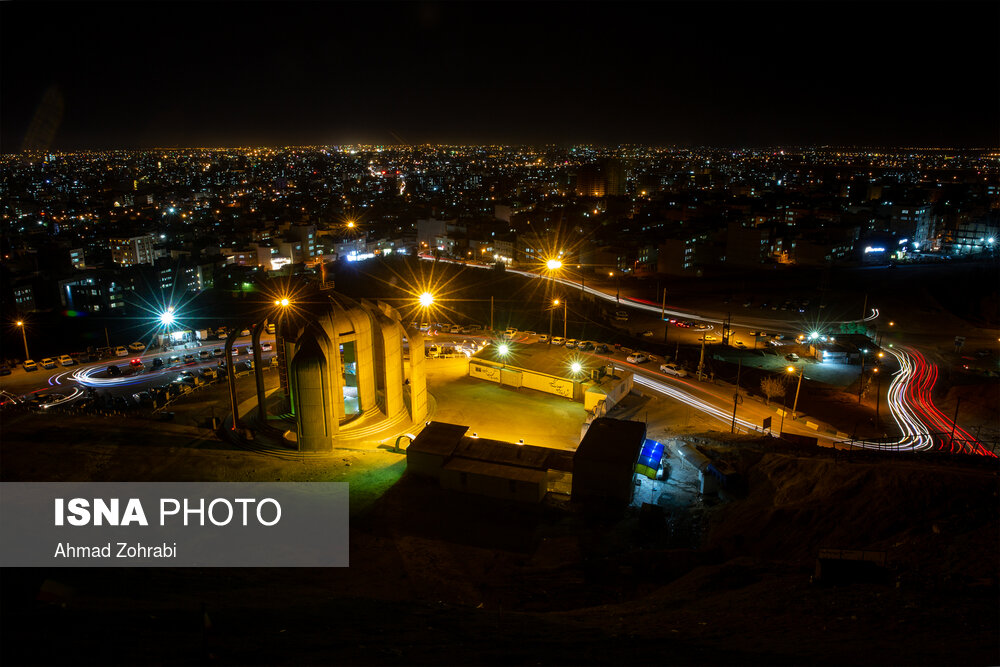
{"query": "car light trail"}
[(916, 397), (640, 304), (86, 378), (725, 416)]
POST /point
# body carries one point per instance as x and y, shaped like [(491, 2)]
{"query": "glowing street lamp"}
[(167, 317), (283, 302), (576, 367), (350, 224), (502, 350), (24, 336), (795, 405), (553, 265), (426, 299)]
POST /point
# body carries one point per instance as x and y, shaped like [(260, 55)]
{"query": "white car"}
[(121, 351), (571, 344), (66, 360), (673, 369), (455, 329), (137, 347), (558, 340), (48, 362), (510, 333), (544, 338), (637, 358)]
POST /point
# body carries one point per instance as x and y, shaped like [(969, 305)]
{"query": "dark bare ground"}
[(440, 578)]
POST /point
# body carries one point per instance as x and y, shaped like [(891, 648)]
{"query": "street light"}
[(555, 304), (20, 323), (426, 299), (576, 367), (795, 405), (167, 317), (553, 265), (502, 351), (283, 302)]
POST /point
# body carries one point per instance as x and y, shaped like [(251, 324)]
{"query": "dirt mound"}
[(795, 506)]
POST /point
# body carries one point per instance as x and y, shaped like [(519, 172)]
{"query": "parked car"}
[(209, 373), (137, 347), (571, 344), (709, 338), (48, 362), (585, 345), (791, 356), (121, 351), (265, 347), (188, 358), (510, 332), (4, 369), (67, 360), (637, 358), (455, 329), (245, 332), (30, 365), (558, 340), (544, 338), (217, 352), (204, 354), (602, 348), (673, 369), (647, 333)]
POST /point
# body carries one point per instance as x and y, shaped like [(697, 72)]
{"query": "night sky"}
[(136, 75)]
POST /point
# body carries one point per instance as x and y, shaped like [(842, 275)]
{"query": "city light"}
[(790, 369), (283, 302), (503, 349), (167, 317), (553, 265), (576, 367), (426, 299)]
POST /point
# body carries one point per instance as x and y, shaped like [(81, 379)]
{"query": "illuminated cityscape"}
[(653, 338)]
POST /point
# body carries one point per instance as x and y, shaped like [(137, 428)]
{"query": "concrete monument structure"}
[(345, 368)]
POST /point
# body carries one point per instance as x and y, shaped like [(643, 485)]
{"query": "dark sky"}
[(180, 74)]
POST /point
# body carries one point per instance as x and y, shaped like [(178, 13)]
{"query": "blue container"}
[(649, 458)]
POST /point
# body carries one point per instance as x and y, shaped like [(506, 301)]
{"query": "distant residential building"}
[(747, 246), (76, 258), (94, 292), (305, 235), (132, 251), (24, 298)]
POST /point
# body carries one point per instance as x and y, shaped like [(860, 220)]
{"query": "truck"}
[(201, 334)]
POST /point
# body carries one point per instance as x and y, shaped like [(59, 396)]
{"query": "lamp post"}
[(24, 336), (552, 309), (878, 394), (795, 405)]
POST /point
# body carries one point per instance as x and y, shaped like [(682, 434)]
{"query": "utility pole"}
[(491, 313), (701, 360), (795, 405), (861, 383), (864, 308), (878, 398), (552, 308), (663, 316), (565, 306), (737, 399), (954, 422), (107, 340)]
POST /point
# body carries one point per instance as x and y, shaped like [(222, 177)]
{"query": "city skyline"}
[(236, 74)]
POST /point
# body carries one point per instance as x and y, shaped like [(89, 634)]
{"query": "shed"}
[(434, 445), (604, 463)]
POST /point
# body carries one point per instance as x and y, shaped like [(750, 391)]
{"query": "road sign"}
[(767, 422)]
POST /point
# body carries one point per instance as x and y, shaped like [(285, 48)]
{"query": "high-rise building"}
[(132, 251)]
